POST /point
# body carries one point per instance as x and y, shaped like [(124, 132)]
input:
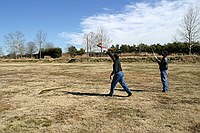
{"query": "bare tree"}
[(89, 40), (1, 51), (15, 42), (22, 49), (31, 48), (66, 49), (40, 40), (190, 27), (48, 45), (102, 37)]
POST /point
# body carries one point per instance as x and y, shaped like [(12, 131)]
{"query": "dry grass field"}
[(62, 98)]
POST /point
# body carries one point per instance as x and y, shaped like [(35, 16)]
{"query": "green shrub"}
[(53, 52)]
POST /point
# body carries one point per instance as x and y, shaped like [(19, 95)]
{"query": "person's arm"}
[(114, 68), (111, 56), (158, 61)]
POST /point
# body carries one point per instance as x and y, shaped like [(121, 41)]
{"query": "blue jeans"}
[(164, 80), (119, 77)]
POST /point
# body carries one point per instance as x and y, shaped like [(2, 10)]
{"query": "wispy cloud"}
[(72, 38), (138, 23)]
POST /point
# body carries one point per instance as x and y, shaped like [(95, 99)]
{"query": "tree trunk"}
[(190, 49), (101, 52)]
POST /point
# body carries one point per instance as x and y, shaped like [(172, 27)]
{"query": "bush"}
[(53, 52)]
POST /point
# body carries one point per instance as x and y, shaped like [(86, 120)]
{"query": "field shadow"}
[(89, 94), (103, 95), (140, 90)]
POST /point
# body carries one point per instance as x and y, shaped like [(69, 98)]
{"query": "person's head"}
[(116, 56), (164, 53)]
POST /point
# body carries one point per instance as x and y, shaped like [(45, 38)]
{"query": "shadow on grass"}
[(89, 94), (140, 90), (103, 95)]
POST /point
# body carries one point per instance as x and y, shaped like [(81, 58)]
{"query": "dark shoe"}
[(129, 94), (164, 91), (110, 95)]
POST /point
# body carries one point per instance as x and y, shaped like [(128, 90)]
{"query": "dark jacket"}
[(163, 64), (116, 65)]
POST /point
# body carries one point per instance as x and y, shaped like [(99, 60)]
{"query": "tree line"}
[(40, 47), (172, 48)]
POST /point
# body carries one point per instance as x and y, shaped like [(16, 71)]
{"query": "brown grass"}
[(59, 97)]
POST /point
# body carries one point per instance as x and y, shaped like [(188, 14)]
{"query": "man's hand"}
[(155, 56)]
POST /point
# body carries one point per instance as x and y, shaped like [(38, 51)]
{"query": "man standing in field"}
[(163, 65), (118, 75)]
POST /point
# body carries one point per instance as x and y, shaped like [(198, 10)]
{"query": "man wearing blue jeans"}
[(118, 75), (163, 65)]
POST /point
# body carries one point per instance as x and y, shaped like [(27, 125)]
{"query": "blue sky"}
[(65, 21)]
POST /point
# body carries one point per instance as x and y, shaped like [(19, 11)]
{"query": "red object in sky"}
[(100, 45)]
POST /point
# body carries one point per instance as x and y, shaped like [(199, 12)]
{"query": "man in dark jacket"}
[(118, 75), (163, 65)]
